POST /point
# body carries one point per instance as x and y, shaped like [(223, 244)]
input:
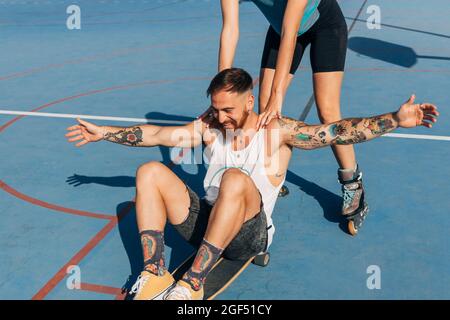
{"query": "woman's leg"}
[(327, 92), (328, 52)]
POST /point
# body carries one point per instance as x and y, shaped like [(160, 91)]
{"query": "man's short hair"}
[(234, 80)]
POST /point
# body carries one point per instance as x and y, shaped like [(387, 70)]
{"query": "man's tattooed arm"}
[(347, 131), (147, 135)]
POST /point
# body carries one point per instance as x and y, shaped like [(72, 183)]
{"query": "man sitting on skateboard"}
[(246, 171)]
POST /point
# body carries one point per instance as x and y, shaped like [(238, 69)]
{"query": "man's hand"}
[(209, 119), (412, 115), (84, 131)]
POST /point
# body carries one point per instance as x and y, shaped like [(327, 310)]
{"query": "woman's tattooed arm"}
[(347, 131)]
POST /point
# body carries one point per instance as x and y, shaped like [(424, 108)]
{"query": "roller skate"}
[(354, 206)]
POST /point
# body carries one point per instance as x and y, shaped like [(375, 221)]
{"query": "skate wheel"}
[(351, 228), (262, 260), (284, 191)]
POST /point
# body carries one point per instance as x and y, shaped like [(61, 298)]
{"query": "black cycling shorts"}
[(328, 39)]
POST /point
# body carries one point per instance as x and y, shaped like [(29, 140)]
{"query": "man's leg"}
[(160, 195), (238, 202)]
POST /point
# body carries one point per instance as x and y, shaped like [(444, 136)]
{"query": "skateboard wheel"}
[(262, 260)]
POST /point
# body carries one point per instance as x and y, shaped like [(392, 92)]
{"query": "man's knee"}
[(234, 182), (149, 172)]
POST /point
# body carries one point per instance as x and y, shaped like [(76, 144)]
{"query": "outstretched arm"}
[(145, 135), (356, 130)]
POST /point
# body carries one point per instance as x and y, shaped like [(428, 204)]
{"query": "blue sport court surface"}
[(62, 206)]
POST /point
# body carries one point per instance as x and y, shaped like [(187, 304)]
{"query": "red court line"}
[(80, 255), (47, 205), (100, 289), (118, 53), (121, 296), (114, 54), (117, 292)]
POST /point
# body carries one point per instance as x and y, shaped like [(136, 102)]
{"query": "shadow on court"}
[(404, 28), (168, 117), (330, 202), (388, 52)]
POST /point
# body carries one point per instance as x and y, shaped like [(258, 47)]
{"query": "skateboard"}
[(223, 273)]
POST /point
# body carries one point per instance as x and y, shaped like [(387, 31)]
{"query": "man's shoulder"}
[(282, 129), (275, 133)]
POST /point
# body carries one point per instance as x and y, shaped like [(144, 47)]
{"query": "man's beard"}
[(241, 123)]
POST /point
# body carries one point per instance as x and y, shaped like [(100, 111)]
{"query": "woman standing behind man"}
[(295, 24)]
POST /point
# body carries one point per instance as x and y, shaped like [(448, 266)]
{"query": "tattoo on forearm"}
[(347, 131), (127, 136), (380, 125)]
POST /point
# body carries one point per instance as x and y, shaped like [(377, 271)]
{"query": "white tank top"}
[(250, 160)]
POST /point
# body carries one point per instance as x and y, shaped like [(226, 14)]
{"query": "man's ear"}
[(250, 102)]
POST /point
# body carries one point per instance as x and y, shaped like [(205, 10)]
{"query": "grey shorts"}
[(250, 240)]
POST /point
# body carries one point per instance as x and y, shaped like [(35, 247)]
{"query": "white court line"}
[(143, 120), (416, 136), (90, 117)]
